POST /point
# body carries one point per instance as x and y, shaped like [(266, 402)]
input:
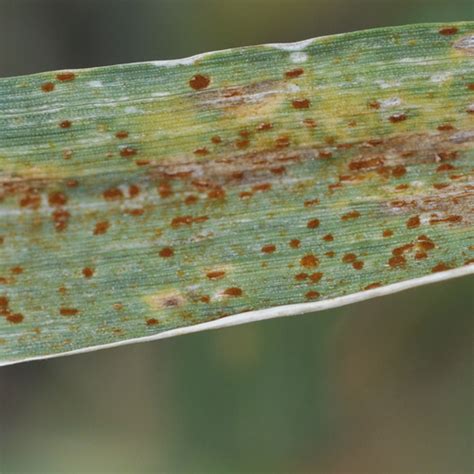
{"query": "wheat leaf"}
[(148, 200)]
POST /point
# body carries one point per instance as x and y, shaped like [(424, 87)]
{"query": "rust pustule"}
[(166, 252), (68, 311), (350, 215), (413, 222), (203, 151), (448, 31), (316, 277), (396, 118), (374, 285), (113, 194), (128, 152), (65, 76), (88, 272), (313, 224), (65, 124), (233, 291), (440, 267), (61, 219), (264, 126), (397, 261), (101, 227), (57, 199), (215, 275), (294, 73), (349, 258), (309, 261), (295, 243), (301, 103), (311, 295), (269, 248), (199, 82), (47, 87)]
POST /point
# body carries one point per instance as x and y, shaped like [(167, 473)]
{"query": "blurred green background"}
[(384, 386)]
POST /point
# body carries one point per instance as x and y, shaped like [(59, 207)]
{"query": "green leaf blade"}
[(141, 199)]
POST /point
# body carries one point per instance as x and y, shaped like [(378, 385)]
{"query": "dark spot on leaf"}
[(366, 164), (324, 154), (164, 190), (65, 76), (264, 126), (313, 224), (68, 311), (373, 285), (440, 267), (445, 167), (316, 277), (191, 199), (448, 31), (187, 220), (374, 104), (396, 118), (309, 261), (113, 194), (215, 275), (201, 151), (311, 295), (15, 318), (294, 73), (216, 193), (349, 258), (166, 252), (127, 152), (413, 222), (301, 103), (233, 291), (278, 170), (101, 227), (133, 191), (57, 199), (311, 202), (88, 272), (295, 243), (242, 143), (350, 215), (47, 87), (398, 171), (310, 123), (61, 219), (282, 141), (301, 276), (199, 82), (449, 219), (445, 128), (397, 261)]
